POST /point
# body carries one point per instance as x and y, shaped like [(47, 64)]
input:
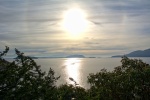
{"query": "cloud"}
[(114, 26)]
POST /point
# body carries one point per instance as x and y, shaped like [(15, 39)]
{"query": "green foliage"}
[(129, 81), (23, 79), (4, 52), (68, 92)]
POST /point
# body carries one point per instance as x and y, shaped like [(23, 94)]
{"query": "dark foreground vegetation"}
[(22, 79)]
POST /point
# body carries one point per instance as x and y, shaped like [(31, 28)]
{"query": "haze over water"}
[(79, 68)]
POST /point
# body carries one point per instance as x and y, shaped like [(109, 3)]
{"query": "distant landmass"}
[(28, 56), (91, 57), (33, 57), (138, 53), (75, 56)]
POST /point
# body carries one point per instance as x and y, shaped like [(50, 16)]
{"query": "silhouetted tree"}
[(70, 92), (126, 82), (23, 79)]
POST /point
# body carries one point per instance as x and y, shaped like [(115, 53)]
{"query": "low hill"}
[(138, 53), (75, 56)]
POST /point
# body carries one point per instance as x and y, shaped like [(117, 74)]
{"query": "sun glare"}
[(75, 21), (72, 69)]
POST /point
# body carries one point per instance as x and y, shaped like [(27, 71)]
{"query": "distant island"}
[(75, 56), (138, 53), (91, 57), (33, 57)]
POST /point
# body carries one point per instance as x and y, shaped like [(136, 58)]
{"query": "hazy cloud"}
[(114, 26)]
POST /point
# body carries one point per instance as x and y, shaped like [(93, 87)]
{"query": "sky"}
[(113, 27)]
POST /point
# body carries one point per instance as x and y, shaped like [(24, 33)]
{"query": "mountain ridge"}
[(137, 53)]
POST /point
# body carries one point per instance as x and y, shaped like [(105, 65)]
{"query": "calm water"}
[(79, 68)]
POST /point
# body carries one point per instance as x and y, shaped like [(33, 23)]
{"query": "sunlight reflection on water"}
[(79, 68), (72, 70)]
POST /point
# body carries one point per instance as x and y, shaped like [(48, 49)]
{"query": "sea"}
[(79, 68)]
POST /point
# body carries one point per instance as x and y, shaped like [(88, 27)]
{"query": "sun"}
[(74, 21)]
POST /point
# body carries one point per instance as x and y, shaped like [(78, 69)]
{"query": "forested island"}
[(23, 79)]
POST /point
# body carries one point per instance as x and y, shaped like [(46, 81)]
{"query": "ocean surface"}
[(79, 68)]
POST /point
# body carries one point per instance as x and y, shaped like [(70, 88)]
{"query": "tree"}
[(70, 92), (23, 79), (129, 81)]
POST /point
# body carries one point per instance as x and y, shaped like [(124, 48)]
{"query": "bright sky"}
[(64, 27)]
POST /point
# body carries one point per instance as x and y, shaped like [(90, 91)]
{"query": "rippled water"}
[(79, 68)]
